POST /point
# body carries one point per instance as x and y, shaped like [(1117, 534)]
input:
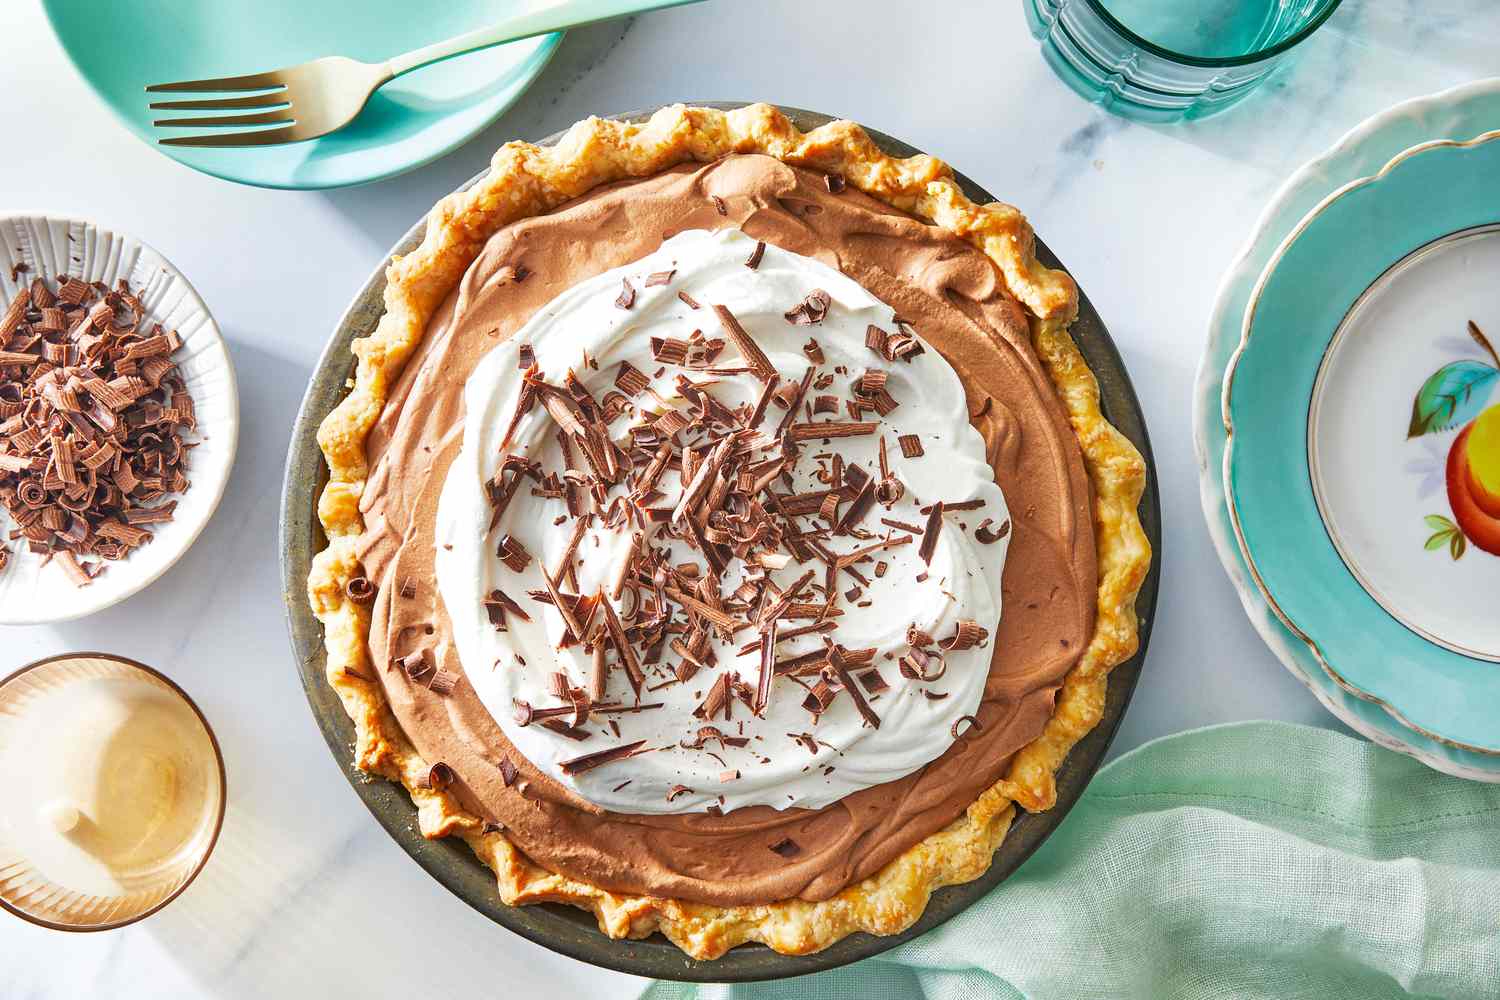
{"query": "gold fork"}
[(318, 97)]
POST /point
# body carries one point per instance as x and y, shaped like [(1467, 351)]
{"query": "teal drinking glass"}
[(1170, 60)]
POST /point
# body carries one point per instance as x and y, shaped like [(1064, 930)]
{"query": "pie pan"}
[(573, 932)]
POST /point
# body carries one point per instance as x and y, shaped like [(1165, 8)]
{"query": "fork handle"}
[(557, 16)]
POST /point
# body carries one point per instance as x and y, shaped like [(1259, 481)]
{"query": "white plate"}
[(32, 593), (1374, 480)]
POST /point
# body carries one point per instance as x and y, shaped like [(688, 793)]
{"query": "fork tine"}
[(254, 81), (264, 137), (272, 100), (269, 118)]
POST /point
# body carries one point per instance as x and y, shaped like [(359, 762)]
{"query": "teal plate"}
[(1456, 114), (122, 46), (1343, 254)]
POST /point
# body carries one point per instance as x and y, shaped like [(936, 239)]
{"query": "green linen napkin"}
[(1248, 860)]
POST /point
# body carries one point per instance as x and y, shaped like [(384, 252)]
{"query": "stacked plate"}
[(1348, 428)]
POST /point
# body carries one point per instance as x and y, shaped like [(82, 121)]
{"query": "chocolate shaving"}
[(627, 295), (955, 505), (760, 365), (722, 209), (631, 380), (415, 664), (497, 605), (659, 278), (756, 255), (525, 714), (92, 417), (599, 665), (811, 310), (767, 668), (968, 634), (841, 670), (443, 682), (599, 758), (616, 629), (513, 554), (903, 347), (688, 300), (819, 698), (669, 350), (974, 725), (786, 847), (440, 776), (829, 429), (359, 589), (917, 666), (911, 445), (676, 791), (508, 772), (525, 357), (930, 532), (858, 508), (567, 730), (987, 536), (716, 701)]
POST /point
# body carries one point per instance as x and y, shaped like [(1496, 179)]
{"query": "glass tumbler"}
[(1170, 60), (113, 786)]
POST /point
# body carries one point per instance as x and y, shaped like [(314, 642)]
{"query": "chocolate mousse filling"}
[(951, 294)]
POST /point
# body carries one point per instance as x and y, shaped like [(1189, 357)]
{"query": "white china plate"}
[(32, 593), (1363, 485)]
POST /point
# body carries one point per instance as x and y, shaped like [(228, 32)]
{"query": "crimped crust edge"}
[(526, 180)]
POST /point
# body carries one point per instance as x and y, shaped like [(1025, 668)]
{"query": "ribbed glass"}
[(1170, 60)]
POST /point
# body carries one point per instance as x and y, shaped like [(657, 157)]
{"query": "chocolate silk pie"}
[(724, 534)]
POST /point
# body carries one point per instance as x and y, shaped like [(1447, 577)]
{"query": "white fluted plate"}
[(31, 592)]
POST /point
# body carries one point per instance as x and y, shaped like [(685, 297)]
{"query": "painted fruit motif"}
[(1474, 481), (1457, 396)]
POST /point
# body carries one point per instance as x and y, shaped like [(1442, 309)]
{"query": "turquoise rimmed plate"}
[(122, 46), (1362, 464), (1459, 113)]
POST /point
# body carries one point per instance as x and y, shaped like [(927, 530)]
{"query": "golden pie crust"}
[(527, 180)]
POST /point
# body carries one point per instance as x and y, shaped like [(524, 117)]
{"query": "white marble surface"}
[(306, 896)]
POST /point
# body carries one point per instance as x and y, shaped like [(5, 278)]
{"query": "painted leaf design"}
[(1455, 394), (1445, 534)]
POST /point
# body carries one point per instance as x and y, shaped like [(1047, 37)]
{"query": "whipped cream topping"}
[(918, 719)]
